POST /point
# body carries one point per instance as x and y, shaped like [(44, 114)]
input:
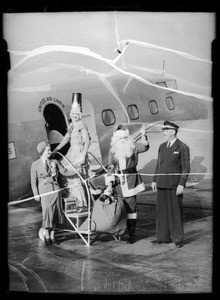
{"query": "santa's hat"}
[(121, 133)]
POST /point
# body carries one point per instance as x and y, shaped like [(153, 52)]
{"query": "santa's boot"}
[(131, 225)]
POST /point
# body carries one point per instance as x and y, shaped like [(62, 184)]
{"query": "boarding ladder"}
[(70, 214)]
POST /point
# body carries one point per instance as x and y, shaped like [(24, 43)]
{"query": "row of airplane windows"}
[(108, 116)]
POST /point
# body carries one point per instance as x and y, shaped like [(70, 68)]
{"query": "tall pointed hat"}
[(76, 99)]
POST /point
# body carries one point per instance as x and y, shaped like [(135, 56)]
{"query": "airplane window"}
[(153, 107), (172, 84), (133, 112), (170, 103), (162, 83), (108, 117)]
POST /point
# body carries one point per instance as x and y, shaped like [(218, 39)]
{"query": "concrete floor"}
[(109, 266)]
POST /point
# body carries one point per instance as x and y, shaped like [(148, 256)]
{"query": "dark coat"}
[(175, 159), (131, 182)]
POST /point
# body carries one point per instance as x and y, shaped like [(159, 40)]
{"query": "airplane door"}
[(89, 120), (56, 126)]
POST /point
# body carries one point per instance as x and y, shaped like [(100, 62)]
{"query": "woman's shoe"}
[(179, 244), (117, 237), (47, 241)]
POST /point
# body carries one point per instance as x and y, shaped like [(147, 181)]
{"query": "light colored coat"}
[(48, 189)]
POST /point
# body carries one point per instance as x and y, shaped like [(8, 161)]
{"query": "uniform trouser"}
[(169, 224)]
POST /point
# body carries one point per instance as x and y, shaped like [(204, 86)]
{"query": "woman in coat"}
[(45, 188)]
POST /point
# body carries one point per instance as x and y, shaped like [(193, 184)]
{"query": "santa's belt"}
[(128, 171)]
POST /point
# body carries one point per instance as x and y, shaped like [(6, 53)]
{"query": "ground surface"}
[(109, 266)]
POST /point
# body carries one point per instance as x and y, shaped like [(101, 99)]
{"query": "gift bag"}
[(109, 217)]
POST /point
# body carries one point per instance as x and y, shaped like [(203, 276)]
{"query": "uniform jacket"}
[(131, 182), (175, 159)]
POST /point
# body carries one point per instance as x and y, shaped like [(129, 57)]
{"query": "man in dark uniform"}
[(172, 169)]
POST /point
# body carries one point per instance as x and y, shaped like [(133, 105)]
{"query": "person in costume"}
[(79, 138), (123, 160)]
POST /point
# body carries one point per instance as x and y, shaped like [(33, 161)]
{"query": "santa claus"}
[(123, 160)]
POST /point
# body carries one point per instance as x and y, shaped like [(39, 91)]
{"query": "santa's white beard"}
[(123, 150)]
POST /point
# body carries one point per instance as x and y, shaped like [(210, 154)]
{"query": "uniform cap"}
[(170, 125)]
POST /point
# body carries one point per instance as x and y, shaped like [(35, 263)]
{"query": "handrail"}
[(138, 136), (71, 165), (87, 190), (97, 161)]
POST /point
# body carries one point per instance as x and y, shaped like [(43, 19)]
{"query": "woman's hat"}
[(41, 147)]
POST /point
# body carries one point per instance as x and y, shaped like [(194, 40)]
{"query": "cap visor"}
[(168, 127)]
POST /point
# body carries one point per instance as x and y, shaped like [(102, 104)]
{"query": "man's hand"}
[(37, 198), (154, 186), (144, 138), (143, 130), (179, 190)]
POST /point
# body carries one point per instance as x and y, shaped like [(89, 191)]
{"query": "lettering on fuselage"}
[(48, 99), (11, 150)]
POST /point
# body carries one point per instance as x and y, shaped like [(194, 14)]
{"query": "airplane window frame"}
[(172, 84), (150, 108), (168, 105), (137, 111), (108, 110), (162, 83)]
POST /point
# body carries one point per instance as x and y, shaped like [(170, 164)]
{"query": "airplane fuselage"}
[(34, 115)]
